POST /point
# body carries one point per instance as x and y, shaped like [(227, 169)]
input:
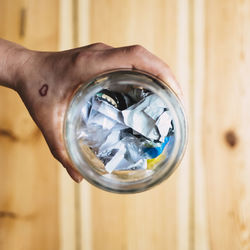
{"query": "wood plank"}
[(68, 215), (184, 190), (226, 119), (199, 220), (84, 209), (29, 184), (149, 220)]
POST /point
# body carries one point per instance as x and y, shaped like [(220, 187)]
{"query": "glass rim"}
[(163, 172)]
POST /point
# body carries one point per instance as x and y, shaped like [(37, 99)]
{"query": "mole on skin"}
[(43, 90)]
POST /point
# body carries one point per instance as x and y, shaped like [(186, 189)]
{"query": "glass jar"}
[(125, 131)]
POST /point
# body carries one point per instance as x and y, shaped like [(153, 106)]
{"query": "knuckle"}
[(136, 49), (98, 45)]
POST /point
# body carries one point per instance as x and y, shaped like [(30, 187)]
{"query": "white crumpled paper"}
[(149, 118)]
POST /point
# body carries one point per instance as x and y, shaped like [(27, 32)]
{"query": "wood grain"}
[(205, 204), (29, 186), (199, 222), (159, 218), (226, 119)]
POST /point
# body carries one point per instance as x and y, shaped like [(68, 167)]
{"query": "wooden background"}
[(205, 204)]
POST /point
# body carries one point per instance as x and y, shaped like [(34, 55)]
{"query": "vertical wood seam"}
[(75, 22), (200, 240), (84, 203), (183, 53), (67, 190), (191, 129)]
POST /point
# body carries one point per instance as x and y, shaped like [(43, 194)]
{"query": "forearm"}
[(12, 57)]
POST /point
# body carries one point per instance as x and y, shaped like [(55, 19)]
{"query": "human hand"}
[(46, 82)]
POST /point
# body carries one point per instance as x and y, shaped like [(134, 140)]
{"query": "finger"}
[(74, 174), (60, 154)]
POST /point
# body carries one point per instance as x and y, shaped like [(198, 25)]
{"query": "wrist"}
[(22, 68)]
